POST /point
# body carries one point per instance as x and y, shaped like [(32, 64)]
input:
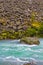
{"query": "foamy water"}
[(14, 53)]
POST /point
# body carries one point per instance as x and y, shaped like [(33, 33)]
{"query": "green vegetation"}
[(30, 32), (40, 30), (35, 29)]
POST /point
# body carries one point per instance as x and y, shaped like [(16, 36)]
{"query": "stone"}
[(27, 64), (30, 40)]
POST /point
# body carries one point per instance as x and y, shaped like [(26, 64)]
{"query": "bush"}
[(40, 30), (30, 32)]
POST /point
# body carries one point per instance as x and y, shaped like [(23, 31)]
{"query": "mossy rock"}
[(30, 40)]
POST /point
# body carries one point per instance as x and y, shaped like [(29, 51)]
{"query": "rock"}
[(27, 64), (30, 40)]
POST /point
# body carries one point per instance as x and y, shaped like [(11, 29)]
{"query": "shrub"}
[(30, 32), (40, 30)]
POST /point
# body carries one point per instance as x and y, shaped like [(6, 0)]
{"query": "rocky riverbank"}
[(17, 15)]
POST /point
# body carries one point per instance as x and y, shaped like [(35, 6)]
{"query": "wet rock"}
[(30, 64), (30, 40), (27, 64)]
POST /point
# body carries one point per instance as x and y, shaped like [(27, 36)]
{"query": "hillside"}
[(17, 15)]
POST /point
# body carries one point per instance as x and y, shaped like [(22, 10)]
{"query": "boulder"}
[(27, 64), (30, 64), (30, 40)]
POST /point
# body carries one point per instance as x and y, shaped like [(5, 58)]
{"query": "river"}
[(12, 52)]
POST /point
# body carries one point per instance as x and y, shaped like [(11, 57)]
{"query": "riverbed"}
[(12, 52)]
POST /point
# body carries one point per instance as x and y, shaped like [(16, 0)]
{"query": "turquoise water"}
[(12, 50)]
